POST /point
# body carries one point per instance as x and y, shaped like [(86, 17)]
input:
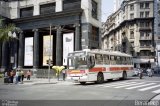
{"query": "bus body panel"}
[(110, 71)]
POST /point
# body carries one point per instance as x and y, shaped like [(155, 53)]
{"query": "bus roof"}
[(99, 51)]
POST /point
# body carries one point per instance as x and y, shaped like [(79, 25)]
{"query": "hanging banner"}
[(47, 48), (68, 46), (28, 59)]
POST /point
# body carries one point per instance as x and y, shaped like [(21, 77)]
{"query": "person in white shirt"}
[(149, 72), (17, 74)]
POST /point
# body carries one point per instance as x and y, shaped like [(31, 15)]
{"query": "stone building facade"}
[(35, 18), (157, 30), (130, 30)]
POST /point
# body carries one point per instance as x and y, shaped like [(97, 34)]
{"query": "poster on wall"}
[(47, 50), (68, 46), (28, 59)]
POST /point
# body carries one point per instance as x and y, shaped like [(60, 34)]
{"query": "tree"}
[(4, 30)]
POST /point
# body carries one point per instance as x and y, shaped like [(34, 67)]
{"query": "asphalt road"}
[(117, 92)]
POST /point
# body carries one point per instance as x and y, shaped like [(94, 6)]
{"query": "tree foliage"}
[(4, 30)]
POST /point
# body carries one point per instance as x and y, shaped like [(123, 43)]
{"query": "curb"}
[(44, 83)]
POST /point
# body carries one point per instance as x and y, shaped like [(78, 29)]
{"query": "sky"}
[(107, 9)]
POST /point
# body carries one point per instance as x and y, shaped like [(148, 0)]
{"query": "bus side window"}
[(112, 60), (99, 59), (115, 60), (91, 61), (118, 60), (123, 60), (106, 59)]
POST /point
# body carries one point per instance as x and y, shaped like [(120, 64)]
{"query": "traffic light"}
[(49, 62)]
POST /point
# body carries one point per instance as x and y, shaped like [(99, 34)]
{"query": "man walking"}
[(64, 74)]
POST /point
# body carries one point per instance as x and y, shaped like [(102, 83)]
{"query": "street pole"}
[(49, 66)]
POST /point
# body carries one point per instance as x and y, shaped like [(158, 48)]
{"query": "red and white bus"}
[(98, 66)]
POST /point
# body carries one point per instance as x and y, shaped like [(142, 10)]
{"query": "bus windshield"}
[(77, 62)]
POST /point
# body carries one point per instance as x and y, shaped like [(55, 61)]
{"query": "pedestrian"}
[(28, 74), (149, 72), (17, 74), (22, 76), (11, 76), (64, 74), (6, 77)]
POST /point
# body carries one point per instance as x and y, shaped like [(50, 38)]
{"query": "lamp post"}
[(12, 36), (49, 65)]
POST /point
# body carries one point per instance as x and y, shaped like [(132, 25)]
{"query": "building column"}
[(1, 54), (77, 37), (59, 46), (21, 50), (36, 49), (5, 56)]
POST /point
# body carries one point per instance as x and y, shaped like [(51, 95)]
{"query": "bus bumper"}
[(78, 78)]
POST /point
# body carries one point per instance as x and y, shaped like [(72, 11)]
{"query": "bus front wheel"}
[(100, 78)]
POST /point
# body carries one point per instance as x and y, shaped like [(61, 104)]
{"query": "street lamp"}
[(12, 36)]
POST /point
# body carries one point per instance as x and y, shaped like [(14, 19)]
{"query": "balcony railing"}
[(146, 38), (145, 28), (145, 46), (144, 57)]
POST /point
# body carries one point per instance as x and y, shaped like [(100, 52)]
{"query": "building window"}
[(146, 5), (47, 8), (141, 24), (131, 16), (131, 34), (141, 14), (94, 9), (132, 44), (147, 24), (95, 34), (26, 12), (131, 7), (147, 35), (141, 5), (71, 4), (142, 35), (147, 14)]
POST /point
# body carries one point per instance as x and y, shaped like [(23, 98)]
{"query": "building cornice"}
[(47, 16)]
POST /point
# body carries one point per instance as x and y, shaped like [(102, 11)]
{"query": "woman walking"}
[(28, 75)]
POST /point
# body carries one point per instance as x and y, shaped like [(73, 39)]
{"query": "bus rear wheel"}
[(100, 78), (82, 83)]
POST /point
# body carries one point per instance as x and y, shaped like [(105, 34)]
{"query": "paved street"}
[(122, 90)]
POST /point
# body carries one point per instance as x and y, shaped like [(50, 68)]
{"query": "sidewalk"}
[(39, 81)]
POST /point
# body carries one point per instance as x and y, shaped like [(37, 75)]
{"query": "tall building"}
[(130, 30), (74, 24), (117, 4), (157, 30)]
